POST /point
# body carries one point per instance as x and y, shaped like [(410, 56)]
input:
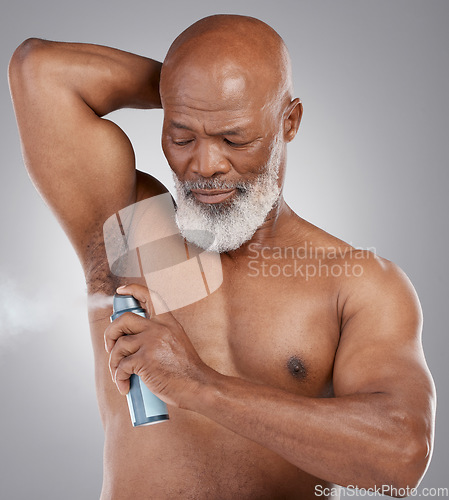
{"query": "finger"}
[(127, 324), (124, 346), (141, 293), (147, 298), (122, 374)]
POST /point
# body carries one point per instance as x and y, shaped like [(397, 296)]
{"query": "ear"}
[(292, 119)]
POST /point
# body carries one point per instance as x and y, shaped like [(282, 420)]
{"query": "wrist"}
[(206, 391)]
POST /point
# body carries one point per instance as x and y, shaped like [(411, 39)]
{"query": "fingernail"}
[(122, 286)]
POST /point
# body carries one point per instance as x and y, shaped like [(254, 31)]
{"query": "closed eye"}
[(183, 143), (235, 144)]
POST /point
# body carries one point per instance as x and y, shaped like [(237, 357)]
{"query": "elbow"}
[(415, 462), (409, 467), (403, 453), (29, 45), (411, 448), (25, 51), (26, 59)]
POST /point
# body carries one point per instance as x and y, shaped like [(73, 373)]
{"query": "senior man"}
[(279, 384)]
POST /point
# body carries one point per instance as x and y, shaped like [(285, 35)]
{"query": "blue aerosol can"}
[(145, 408)]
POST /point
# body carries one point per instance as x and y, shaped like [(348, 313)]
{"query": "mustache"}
[(241, 186)]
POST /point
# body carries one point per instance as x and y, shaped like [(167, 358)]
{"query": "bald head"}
[(237, 55)]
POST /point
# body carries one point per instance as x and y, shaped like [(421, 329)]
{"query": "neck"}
[(277, 230)]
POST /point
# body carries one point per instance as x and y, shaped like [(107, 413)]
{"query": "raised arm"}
[(82, 165)]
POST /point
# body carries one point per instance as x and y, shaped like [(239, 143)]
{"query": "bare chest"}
[(267, 331), (272, 330)]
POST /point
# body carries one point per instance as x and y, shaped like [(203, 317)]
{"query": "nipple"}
[(296, 367)]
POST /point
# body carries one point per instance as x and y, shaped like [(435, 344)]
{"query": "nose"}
[(208, 160)]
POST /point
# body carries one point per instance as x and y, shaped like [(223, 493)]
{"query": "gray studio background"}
[(369, 165)]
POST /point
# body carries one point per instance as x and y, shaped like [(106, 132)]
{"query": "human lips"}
[(212, 195)]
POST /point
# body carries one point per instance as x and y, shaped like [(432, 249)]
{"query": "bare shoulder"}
[(377, 283), (367, 283)]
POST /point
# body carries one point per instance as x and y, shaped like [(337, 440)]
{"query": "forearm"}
[(106, 79), (359, 440)]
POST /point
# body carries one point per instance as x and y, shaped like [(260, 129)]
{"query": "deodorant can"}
[(145, 408)]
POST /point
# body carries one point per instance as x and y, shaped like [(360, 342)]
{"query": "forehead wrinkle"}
[(231, 115), (225, 131), (214, 115), (212, 129), (190, 104), (223, 91)]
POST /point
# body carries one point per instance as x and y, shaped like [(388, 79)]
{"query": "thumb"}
[(141, 293)]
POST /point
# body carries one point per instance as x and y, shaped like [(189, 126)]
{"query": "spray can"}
[(144, 407)]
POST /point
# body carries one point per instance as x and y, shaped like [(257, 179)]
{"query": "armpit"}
[(98, 275)]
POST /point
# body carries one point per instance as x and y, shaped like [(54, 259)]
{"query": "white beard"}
[(222, 227)]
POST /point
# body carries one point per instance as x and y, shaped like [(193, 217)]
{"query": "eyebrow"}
[(230, 131), (179, 125)]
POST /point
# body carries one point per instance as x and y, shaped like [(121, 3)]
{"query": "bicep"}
[(82, 165), (380, 348)]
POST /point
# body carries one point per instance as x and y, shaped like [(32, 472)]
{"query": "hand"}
[(157, 349)]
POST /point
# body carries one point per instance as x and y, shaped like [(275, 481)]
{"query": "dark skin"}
[(275, 384)]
